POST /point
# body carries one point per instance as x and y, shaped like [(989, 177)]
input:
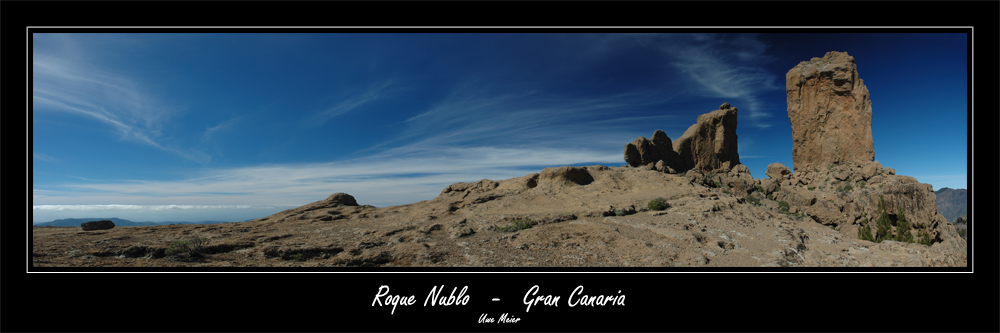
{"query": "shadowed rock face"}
[(830, 112), (708, 145), (645, 151)]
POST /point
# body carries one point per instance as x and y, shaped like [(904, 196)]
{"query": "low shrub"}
[(657, 204), (519, 224), (783, 206), (192, 247)]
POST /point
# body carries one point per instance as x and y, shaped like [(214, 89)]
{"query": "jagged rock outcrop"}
[(710, 144), (97, 225), (830, 112), (644, 151)]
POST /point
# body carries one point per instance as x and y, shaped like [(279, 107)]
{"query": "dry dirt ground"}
[(563, 223)]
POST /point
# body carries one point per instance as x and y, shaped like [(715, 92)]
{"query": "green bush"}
[(619, 212), (811, 188), (783, 207), (519, 224), (925, 237), (883, 223), (297, 257), (177, 247), (750, 199), (192, 247), (903, 233), (657, 204)]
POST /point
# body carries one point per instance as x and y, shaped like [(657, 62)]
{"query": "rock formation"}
[(97, 225), (342, 199), (645, 151), (709, 145), (836, 180), (830, 112)]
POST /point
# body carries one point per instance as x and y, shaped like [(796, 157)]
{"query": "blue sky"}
[(154, 127)]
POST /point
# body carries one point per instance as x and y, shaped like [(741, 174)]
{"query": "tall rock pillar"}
[(830, 112)]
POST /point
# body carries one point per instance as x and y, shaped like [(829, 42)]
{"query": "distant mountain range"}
[(952, 203), (75, 222)]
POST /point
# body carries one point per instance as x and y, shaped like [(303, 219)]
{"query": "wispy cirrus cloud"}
[(385, 180), (729, 66), (73, 83), (350, 103), (210, 132)]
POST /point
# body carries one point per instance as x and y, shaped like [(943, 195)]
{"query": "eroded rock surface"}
[(830, 112)]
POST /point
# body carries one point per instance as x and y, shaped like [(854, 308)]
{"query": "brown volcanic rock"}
[(830, 112), (778, 171), (645, 151), (710, 144)]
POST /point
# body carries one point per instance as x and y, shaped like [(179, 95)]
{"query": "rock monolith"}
[(830, 112)]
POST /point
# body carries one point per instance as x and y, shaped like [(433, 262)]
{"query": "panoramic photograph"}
[(509, 150)]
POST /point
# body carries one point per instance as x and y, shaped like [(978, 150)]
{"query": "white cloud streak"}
[(386, 181), (89, 208), (70, 83), (349, 104), (723, 66)]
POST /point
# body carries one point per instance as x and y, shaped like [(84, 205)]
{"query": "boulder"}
[(341, 198), (778, 171), (742, 172), (711, 143), (868, 171), (97, 225), (830, 112), (796, 196)]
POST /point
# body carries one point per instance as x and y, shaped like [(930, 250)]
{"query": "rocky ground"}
[(562, 217)]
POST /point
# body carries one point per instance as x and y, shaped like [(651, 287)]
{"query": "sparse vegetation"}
[(925, 238), (297, 257), (783, 206), (657, 204), (750, 199), (192, 247), (519, 224), (845, 188), (811, 188), (884, 228), (865, 233), (619, 212)]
